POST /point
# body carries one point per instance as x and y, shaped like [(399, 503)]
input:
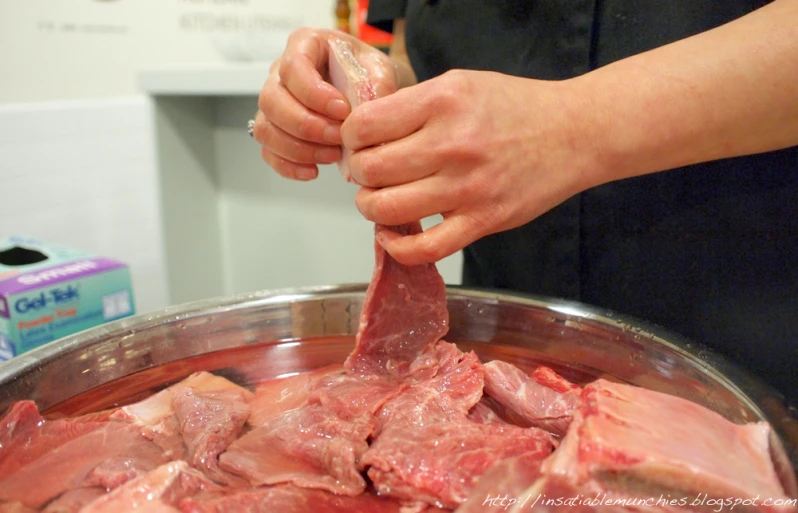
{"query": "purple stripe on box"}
[(57, 274)]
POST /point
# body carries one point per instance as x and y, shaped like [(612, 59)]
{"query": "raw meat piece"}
[(544, 400), (277, 396), (287, 499), (502, 485), (352, 398), (26, 436), (550, 379), (451, 392), (15, 507), (209, 422), (71, 464), (441, 463), (633, 440), (72, 500), (427, 449), (17, 425), (117, 470), (405, 307), (156, 414), (311, 447), (484, 413), (159, 490), (318, 445)]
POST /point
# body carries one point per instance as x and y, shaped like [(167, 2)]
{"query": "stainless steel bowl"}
[(253, 337)]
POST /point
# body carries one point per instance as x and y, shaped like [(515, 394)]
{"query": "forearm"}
[(727, 92)]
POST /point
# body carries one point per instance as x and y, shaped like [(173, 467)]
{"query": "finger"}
[(284, 111), (296, 150), (397, 162), (288, 169), (393, 206), (385, 119), (434, 244), (300, 73)]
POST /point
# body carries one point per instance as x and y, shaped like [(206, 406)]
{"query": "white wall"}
[(63, 49)]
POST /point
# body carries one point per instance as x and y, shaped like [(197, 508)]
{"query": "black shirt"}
[(708, 251)]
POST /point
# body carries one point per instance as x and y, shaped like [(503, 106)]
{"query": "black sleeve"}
[(381, 13)]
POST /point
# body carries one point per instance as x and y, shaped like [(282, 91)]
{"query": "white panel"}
[(82, 174)]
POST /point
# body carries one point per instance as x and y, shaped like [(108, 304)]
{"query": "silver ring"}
[(251, 128)]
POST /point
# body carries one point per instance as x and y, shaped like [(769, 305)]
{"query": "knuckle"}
[(287, 66), (368, 166), (386, 210), (266, 100), (427, 249), (360, 125), (364, 202), (485, 221), (259, 131), (305, 126), (267, 135)]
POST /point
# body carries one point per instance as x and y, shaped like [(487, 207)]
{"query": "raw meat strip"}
[(26, 436), (404, 312), (405, 307), (70, 465), (72, 500), (502, 486), (628, 437), (544, 400), (287, 499), (209, 422), (159, 490), (352, 79)]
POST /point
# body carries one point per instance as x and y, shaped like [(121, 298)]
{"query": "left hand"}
[(488, 152)]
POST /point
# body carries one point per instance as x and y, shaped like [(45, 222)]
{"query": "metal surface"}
[(253, 337)]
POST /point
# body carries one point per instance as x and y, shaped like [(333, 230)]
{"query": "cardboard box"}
[(48, 292)]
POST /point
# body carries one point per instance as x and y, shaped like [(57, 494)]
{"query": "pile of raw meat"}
[(409, 423)]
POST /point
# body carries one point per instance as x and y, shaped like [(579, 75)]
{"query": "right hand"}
[(300, 116)]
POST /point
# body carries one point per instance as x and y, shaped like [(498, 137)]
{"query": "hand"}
[(299, 121), (488, 152)]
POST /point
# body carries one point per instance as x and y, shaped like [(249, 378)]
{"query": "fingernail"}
[(337, 109), (306, 174), (328, 155), (332, 135)]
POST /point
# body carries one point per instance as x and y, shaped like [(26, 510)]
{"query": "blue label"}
[(53, 297)]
